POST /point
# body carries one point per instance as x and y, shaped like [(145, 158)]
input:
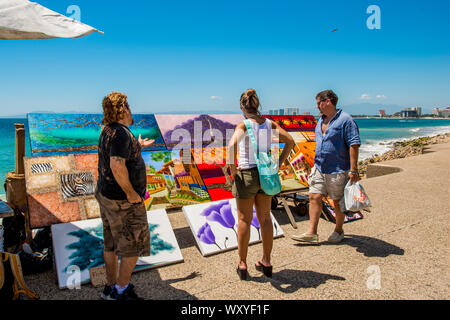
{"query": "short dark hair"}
[(328, 94)]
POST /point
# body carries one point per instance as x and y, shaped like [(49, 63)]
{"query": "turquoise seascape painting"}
[(78, 247), (60, 134)]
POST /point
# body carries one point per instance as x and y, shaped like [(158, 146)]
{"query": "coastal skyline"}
[(177, 57)]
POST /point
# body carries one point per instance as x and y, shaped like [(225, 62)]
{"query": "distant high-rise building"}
[(436, 112), (409, 113), (285, 111), (442, 112), (291, 111), (418, 110)]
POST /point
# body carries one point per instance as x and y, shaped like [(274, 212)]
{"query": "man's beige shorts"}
[(328, 184)]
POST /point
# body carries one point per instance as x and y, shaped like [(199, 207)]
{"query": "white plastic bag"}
[(355, 197)]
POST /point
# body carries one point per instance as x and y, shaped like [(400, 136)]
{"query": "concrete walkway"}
[(404, 241)]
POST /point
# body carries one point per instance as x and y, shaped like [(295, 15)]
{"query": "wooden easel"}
[(16, 194)]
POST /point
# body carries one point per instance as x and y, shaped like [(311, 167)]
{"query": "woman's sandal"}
[(243, 273), (262, 268)]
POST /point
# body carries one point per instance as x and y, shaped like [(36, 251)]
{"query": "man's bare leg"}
[(315, 210), (340, 217), (127, 265), (111, 265)]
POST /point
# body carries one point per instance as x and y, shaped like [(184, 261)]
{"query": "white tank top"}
[(263, 135)]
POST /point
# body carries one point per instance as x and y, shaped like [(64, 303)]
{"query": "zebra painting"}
[(41, 167), (77, 184)]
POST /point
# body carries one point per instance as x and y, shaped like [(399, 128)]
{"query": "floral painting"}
[(214, 226)]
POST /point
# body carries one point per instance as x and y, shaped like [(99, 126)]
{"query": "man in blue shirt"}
[(335, 162)]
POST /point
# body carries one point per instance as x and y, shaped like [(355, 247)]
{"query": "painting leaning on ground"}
[(79, 245), (57, 134)]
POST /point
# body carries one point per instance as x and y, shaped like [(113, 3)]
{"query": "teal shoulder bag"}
[(267, 168)]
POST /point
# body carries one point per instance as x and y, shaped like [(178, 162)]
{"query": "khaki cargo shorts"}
[(246, 184), (328, 184), (125, 227)]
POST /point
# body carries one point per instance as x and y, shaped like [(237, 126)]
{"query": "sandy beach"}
[(403, 240)]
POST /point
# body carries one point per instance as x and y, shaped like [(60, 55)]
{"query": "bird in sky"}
[(334, 30)]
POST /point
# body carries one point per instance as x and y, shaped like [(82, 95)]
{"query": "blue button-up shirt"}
[(333, 148)]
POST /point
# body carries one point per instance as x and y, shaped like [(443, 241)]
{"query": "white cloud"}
[(215, 98), (381, 96), (365, 96)]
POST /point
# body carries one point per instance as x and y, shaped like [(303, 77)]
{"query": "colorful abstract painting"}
[(211, 163), (78, 246), (301, 127), (61, 188), (197, 131), (295, 170), (59, 134), (214, 226), (173, 180)]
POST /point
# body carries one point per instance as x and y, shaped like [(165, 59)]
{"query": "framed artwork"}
[(61, 134), (78, 247), (214, 226)]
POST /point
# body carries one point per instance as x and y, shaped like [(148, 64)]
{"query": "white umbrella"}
[(22, 19)]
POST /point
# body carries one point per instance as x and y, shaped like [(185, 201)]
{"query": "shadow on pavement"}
[(289, 281), (157, 289), (370, 247)]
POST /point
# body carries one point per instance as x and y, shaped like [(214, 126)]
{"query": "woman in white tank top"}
[(246, 187)]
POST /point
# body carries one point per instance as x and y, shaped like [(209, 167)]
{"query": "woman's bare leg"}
[(262, 206), (245, 216)]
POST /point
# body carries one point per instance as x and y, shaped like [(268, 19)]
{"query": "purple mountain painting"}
[(197, 130)]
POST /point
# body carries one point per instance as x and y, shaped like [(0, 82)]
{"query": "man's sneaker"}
[(336, 237), (127, 295), (309, 238), (106, 294)]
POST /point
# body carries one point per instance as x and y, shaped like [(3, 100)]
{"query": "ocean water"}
[(377, 136), (7, 147)]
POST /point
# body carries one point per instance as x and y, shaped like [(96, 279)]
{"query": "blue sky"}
[(176, 56)]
